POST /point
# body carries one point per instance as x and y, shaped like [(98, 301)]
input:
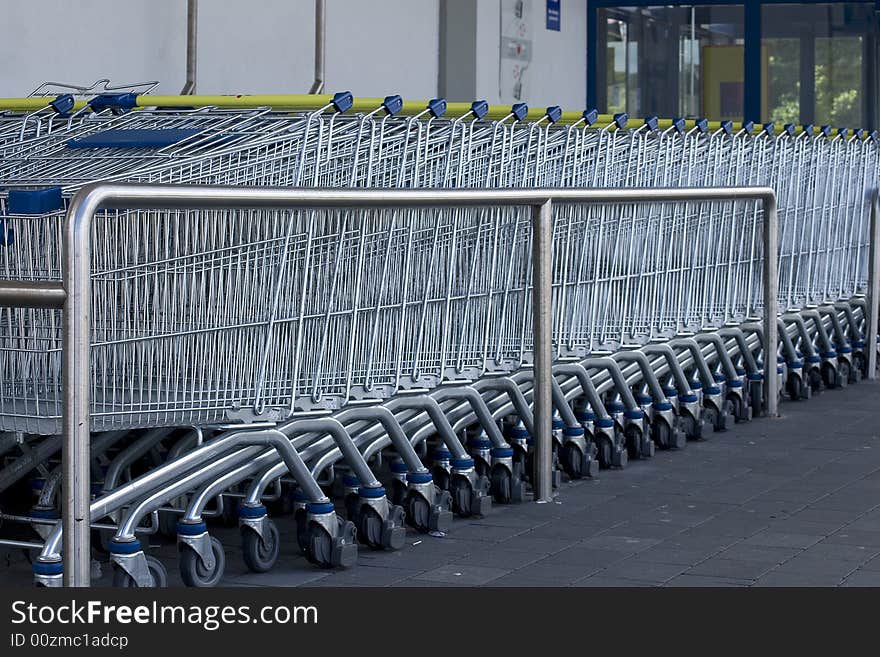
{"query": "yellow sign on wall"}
[(724, 82)]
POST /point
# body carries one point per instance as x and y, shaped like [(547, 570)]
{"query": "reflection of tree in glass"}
[(838, 76)]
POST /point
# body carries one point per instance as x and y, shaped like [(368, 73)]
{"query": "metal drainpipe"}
[(192, 26), (320, 46)]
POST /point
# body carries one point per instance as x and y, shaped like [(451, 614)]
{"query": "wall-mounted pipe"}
[(192, 28), (320, 46)]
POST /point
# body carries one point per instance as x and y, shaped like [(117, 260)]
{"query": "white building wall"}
[(374, 47)]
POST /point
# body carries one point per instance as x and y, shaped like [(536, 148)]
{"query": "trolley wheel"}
[(633, 439), (604, 450), (662, 434), (442, 478), (260, 554), (462, 492), (815, 379), (193, 571), (571, 458), (502, 485), (844, 372), (418, 512), (830, 376), (860, 363), (319, 549), (122, 579), (794, 386), (369, 528), (302, 530)]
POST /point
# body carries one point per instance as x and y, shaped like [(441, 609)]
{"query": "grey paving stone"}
[(817, 566), (763, 553), (786, 579), (556, 574), (863, 578), (628, 544), (781, 539), (462, 574), (600, 581), (537, 544), (860, 537), (515, 580), (838, 552), (636, 568), (688, 580), (732, 568), (580, 554), (498, 558)]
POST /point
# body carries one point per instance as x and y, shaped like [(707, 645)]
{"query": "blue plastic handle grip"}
[(392, 104), (652, 123), (770, 128), (703, 125), (342, 101), (480, 108), (554, 113), (62, 104), (727, 126), (748, 126), (621, 120), (591, 116), (679, 124), (520, 111), (116, 102), (437, 107)]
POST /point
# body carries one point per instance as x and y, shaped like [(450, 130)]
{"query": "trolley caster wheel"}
[(795, 388), (860, 365), (326, 551), (738, 409), (693, 427), (830, 376), (604, 450), (379, 534), (633, 441), (260, 553), (844, 374), (573, 461), (302, 530), (422, 517), (506, 487), (662, 435), (756, 400), (122, 579), (466, 501), (814, 379), (193, 571)]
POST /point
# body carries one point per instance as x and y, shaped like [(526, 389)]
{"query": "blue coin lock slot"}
[(133, 138), (748, 126), (652, 123), (770, 128), (437, 107), (679, 124), (620, 120), (825, 130), (520, 111), (342, 101), (392, 104), (859, 133), (702, 125), (808, 128), (843, 132), (788, 129), (62, 104), (591, 116), (118, 103), (554, 113), (727, 126), (34, 201), (480, 108)]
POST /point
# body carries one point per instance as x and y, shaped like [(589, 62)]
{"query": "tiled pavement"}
[(787, 502)]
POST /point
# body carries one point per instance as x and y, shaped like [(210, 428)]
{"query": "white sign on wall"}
[(516, 50)]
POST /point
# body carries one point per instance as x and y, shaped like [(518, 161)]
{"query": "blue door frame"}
[(751, 49)]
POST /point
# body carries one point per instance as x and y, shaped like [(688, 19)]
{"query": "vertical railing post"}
[(542, 327), (76, 388), (771, 283), (873, 301), (192, 31)]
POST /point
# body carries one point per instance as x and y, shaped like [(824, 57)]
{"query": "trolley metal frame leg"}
[(73, 296)]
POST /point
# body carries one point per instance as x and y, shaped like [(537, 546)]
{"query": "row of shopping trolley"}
[(362, 370)]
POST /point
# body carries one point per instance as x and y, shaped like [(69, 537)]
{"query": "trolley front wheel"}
[(260, 553), (193, 571)]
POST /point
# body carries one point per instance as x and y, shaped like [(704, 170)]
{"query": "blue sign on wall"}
[(553, 15)]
